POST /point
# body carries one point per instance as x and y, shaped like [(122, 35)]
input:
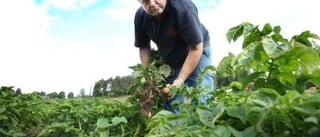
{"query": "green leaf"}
[(251, 38), (303, 38), (260, 105), (104, 134), (234, 33), (257, 116), (3, 117), (310, 60), (238, 112), (209, 116), (269, 93), (200, 133), (162, 113), (267, 29), (279, 38), (248, 132), (118, 120), (311, 119), (248, 28), (195, 131), (136, 74), (286, 64), (251, 78), (103, 123), (168, 125), (277, 29), (290, 96), (316, 78), (153, 123), (165, 70), (312, 101), (2, 110), (143, 80), (5, 94), (19, 134), (273, 49), (260, 83), (287, 78), (222, 131), (310, 110), (242, 60), (308, 57)]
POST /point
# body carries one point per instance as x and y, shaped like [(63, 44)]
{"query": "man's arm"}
[(189, 64), (145, 55)]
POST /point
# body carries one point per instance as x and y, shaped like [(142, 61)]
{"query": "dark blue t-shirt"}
[(180, 27)]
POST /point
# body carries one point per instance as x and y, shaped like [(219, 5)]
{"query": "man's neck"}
[(158, 18)]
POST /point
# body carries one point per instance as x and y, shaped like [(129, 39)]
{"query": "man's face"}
[(153, 7)]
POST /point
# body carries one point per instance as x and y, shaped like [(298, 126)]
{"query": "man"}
[(182, 40)]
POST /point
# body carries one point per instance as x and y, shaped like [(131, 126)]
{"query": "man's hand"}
[(166, 89), (176, 83)]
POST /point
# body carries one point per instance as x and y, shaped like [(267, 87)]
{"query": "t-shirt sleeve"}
[(141, 38), (189, 26)]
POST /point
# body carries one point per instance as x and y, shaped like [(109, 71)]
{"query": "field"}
[(120, 99), (267, 95)]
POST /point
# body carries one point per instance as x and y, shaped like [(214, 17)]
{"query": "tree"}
[(117, 86), (70, 95), (82, 92), (18, 92), (62, 94), (53, 95), (102, 87), (43, 94)]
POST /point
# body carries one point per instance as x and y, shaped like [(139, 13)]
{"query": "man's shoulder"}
[(140, 14), (181, 4), (139, 11)]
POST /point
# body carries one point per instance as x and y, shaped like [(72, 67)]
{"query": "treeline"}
[(61, 94), (112, 87)]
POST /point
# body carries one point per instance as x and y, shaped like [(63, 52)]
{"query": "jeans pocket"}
[(207, 51)]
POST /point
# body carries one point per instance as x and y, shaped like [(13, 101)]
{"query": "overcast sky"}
[(67, 45)]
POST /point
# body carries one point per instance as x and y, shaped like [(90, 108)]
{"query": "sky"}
[(68, 45)]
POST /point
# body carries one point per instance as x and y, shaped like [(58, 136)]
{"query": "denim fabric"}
[(193, 79)]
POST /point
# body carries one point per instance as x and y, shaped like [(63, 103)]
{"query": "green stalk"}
[(79, 124), (270, 72), (137, 131)]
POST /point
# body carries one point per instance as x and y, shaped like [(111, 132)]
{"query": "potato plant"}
[(30, 115), (277, 104), (148, 83)]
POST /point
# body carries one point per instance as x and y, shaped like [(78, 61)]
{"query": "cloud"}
[(80, 66), (23, 28), (206, 4), (24, 41), (70, 4), (122, 10), (35, 59)]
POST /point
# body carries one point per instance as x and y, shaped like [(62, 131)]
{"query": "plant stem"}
[(270, 72)]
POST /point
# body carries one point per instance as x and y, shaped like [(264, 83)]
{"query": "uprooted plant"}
[(148, 82)]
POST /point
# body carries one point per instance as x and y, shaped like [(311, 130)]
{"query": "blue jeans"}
[(193, 79)]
